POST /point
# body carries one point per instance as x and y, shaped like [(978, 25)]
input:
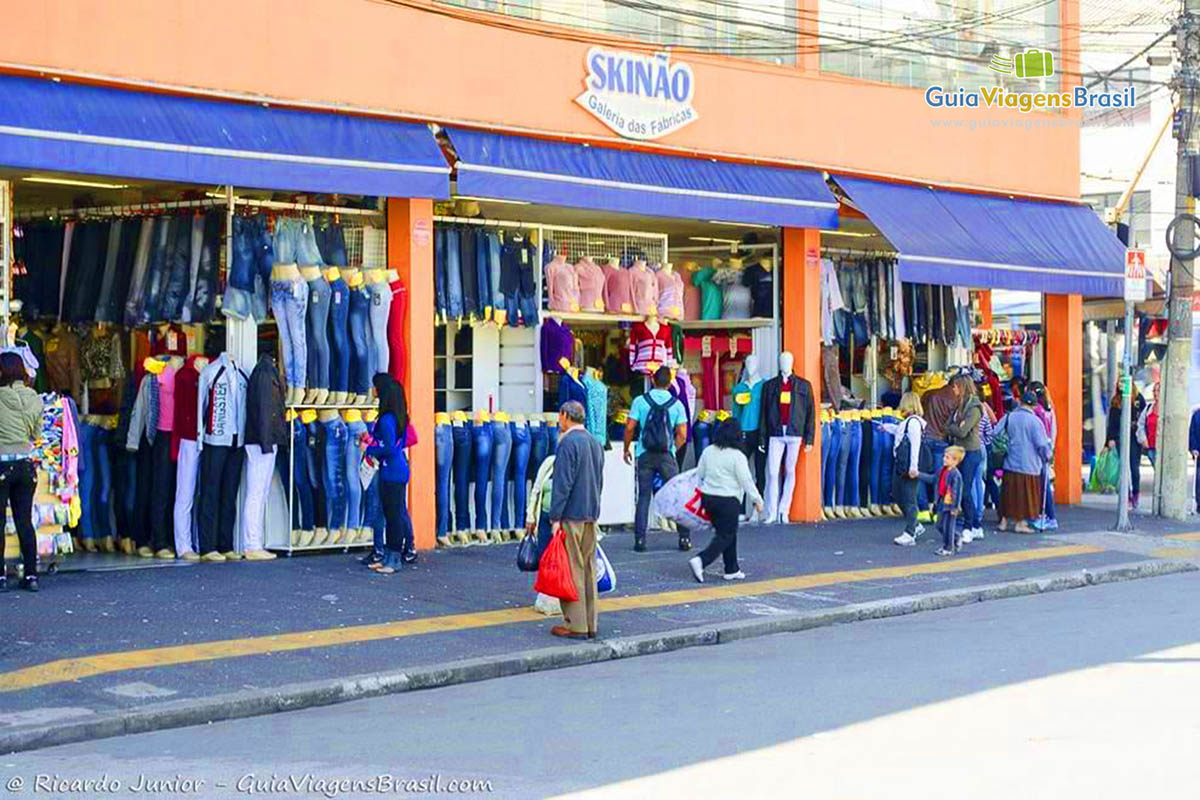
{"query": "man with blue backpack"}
[(656, 428)]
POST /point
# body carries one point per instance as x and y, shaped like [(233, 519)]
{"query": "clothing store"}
[(201, 291)]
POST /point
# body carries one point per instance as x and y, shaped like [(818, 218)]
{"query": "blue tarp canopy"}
[(992, 242), (626, 181), (97, 130)]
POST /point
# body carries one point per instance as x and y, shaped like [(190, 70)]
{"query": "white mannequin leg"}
[(775, 450), (789, 483)]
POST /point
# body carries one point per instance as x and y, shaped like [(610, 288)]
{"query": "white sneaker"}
[(697, 568), (968, 536), (977, 534), (905, 540), (735, 576), (920, 530)]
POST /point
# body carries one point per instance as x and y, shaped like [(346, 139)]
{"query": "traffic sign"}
[(1135, 276)]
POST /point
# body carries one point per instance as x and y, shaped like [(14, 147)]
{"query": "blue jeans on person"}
[(354, 490), (339, 339), (972, 512), (545, 532), (454, 289), (443, 454), (399, 537), (317, 333), (1049, 493), (937, 447), (481, 441), (483, 276), (360, 341), (829, 465), (439, 271), (302, 480), (538, 449), (462, 478), (501, 450), (289, 303), (702, 433), (843, 462), (851, 491), (373, 515), (334, 479), (978, 489), (521, 446)]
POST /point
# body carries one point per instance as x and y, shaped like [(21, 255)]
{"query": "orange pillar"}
[(801, 298), (808, 56), (410, 253), (985, 308), (1064, 380)]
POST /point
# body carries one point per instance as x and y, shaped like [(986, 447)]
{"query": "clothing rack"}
[(277, 205), (489, 223), (128, 209), (847, 251)]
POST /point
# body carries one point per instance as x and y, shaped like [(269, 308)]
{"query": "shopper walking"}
[(574, 509), (1044, 410), (655, 430), (906, 454), (964, 430), (1194, 447), (20, 421), (1022, 490), (1135, 446), (537, 522), (725, 481), (390, 438)]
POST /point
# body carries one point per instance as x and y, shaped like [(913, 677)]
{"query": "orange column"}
[(801, 298), (410, 253), (1064, 380), (985, 308), (808, 56)]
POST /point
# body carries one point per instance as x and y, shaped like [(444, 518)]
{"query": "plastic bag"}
[(606, 576), (527, 553), (554, 571), (679, 502), (1105, 473)]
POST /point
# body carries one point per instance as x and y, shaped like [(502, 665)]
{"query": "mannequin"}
[(289, 303), (645, 289), (307, 537), (501, 453), (362, 366), (590, 277), (353, 532), (747, 410), (460, 526), (562, 285), (376, 281), (670, 292), (481, 442), (786, 425), (618, 288), (317, 336), (339, 336), (335, 492)]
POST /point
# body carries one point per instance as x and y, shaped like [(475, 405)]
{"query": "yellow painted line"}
[(72, 669), (1175, 552), (1185, 537)]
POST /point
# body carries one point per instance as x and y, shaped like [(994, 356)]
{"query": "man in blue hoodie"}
[(1194, 446)]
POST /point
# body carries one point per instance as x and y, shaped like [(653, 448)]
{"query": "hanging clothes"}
[(670, 293), (562, 286), (591, 281), (645, 289), (618, 290), (757, 278), (596, 407), (711, 301), (649, 346)]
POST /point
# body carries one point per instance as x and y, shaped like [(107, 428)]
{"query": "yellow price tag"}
[(598, 304), (785, 397), (626, 308), (742, 398), (574, 306)]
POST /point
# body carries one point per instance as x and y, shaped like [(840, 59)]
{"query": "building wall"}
[(447, 66)]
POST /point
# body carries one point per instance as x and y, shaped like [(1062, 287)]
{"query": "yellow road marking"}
[(72, 669), (1186, 537), (1175, 552)]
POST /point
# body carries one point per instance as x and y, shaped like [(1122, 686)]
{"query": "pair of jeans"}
[(481, 441), (724, 512), (316, 471), (87, 469), (651, 466), (355, 516), (307, 252), (878, 447), (331, 243), (848, 489), (178, 273), (216, 507), (522, 444), (453, 277), (373, 517), (381, 306), (443, 456), (156, 274), (439, 272), (462, 477), (360, 342), (501, 451), (339, 340), (125, 486), (887, 466), (317, 333), (517, 258), (972, 510), (551, 438), (162, 494), (399, 538), (135, 301), (493, 269), (18, 482), (906, 498), (538, 449), (289, 303), (302, 480), (333, 477), (483, 276), (829, 463), (702, 433), (238, 301), (202, 291)]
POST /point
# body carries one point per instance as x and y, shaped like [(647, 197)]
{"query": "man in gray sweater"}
[(575, 507)]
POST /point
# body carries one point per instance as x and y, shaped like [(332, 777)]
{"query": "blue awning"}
[(582, 176), (992, 242), (98, 130)]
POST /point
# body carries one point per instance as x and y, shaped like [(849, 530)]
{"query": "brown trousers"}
[(580, 616)]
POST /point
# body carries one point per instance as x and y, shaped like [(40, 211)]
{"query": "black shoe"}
[(370, 558), (3, 583), (409, 556), (30, 583), (639, 545), (685, 543)]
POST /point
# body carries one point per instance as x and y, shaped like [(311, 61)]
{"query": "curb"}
[(296, 696)]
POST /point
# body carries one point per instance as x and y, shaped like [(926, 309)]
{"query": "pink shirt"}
[(670, 294), (591, 285), (645, 289), (618, 291), (166, 399), (563, 286), (691, 301)]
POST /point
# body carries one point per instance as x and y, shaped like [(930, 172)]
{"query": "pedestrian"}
[(725, 480), (948, 488), (537, 521), (964, 430), (906, 454), (1194, 446), (939, 405), (20, 423), (655, 430), (1044, 410), (1022, 490), (574, 509), (1135, 446), (390, 438)]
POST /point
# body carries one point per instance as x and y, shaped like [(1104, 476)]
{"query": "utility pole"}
[(1173, 411)]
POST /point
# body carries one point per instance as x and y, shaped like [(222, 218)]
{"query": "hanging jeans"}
[(289, 304), (316, 469), (394, 497), (782, 453), (339, 340), (852, 445), (499, 309), (454, 287), (360, 342), (334, 476), (381, 306), (538, 450), (481, 439), (462, 478), (317, 333), (483, 276), (702, 432), (237, 302), (501, 450), (972, 510), (521, 446), (443, 454), (175, 289), (439, 273), (302, 498), (216, 506), (18, 483), (260, 466), (354, 488), (551, 438), (829, 464), (186, 470), (468, 269)]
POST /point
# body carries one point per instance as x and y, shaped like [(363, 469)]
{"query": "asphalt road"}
[(1087, 693)]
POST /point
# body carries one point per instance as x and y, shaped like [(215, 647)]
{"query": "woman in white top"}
[(908, 445), (725, 480)]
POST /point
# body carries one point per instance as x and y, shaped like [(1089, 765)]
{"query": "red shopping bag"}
[(554, 571)]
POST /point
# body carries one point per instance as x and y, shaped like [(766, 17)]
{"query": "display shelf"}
[(345, 547), (333, 407), (593, 317), (726, 324)]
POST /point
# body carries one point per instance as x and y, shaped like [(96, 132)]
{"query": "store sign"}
[(638, 96), (1135, 276)]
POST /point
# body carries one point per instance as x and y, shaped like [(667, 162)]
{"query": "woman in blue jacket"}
[(391, 437)]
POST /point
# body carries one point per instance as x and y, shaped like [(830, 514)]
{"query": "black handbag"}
[(528, 554)]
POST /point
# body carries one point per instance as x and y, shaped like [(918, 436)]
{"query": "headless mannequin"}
[(305, 538), (783, 449), (313, 396), (330, 534), (333, 274)]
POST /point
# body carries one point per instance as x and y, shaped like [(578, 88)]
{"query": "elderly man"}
[(575, 507)]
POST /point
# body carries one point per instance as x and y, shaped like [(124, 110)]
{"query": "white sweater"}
[(724, 472)]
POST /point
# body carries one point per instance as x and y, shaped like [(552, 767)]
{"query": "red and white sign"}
[(1135, 276)]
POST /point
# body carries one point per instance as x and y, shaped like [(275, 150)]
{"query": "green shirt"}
[(711, 299)]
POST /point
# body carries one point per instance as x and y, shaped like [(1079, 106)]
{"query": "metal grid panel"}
[(600, 243)]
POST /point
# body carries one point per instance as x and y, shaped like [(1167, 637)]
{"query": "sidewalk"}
[(94, 643)]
